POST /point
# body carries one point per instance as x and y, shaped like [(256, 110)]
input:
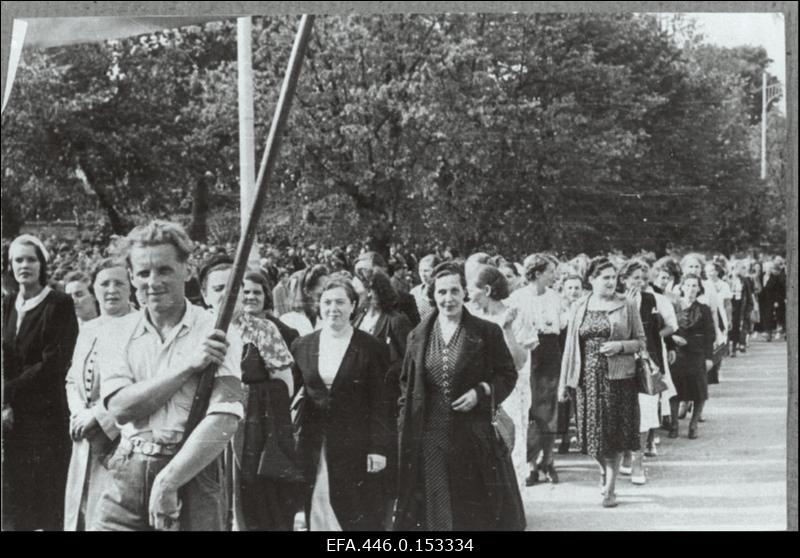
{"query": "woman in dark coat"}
[(39, 334), (390, 327), (695, 349), (453, 362), (343, 426)]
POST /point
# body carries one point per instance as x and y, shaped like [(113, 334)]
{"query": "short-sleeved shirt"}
[(133, 352), (544, 314)]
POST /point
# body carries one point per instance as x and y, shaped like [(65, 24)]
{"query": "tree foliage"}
[(569, 132)]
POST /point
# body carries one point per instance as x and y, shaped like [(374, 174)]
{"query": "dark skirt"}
[(607, 411), (36, 457), (267, 505), (689, 376), (545, 371)]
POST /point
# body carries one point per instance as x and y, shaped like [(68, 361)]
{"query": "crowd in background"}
[(456, 380)]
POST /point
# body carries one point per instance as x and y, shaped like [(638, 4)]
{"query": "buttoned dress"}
[(87, 473)]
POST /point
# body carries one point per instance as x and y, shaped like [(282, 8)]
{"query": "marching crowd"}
[(352, 392)]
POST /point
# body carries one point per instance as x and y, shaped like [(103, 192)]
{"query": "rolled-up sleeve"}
[(116, 373), (227, 395)]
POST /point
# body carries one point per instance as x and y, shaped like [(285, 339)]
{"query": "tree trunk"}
[(118, 223), (379, 237), (198, 229)]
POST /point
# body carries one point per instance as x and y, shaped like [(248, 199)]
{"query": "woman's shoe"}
[(610, 501), (623, 470), (638, 478), (673, 433), (533, 478), (692, 431), (651, 451), (550, 473)]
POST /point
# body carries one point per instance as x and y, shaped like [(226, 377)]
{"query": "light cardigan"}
[(626, 327)]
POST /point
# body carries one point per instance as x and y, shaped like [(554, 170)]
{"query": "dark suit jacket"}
[(36, 449), (392, 330), (408, 306), (485, 358), (352, 417), (37, 357)]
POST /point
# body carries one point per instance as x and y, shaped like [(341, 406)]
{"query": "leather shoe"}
[(610, 501), (693, 432), (550, 473)]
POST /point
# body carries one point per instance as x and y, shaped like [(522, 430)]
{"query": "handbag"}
[(502, 487), (504, 428), (274, 464), (648, 375)]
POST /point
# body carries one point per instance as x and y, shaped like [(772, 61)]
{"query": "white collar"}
[(23, 306), (26, 305)]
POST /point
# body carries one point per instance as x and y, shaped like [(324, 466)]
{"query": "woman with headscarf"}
[(39, 334), (92, 428), (260, 502)]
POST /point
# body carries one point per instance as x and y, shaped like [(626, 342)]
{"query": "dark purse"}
[(648, 375), (508, 510), (274, 464)]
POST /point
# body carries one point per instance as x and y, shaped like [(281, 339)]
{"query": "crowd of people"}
[(423, 391)]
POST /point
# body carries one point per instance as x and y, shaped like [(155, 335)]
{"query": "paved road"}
[(733, 477)]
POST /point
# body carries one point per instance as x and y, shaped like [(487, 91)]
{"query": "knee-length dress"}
[(607, 410), (696, 325), (440, 359)]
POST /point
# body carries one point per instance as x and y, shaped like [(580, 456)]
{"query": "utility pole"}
[(768, 94), (247, 148)]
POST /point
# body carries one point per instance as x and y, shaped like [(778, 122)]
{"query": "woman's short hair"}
[(107, 263), (302, 283), (690, 277), (160, 232), (494, 278), (337, 280), (382, 289), (511, 266), (261, 279), (38, 250), (535, 265), (628, 268), (79, 277), (668, 265), (699, 258), (443, 270), (431, 259), (597, 266), (214, 263)]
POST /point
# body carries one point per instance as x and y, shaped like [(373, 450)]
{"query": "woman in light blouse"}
[(343, 429), (92, 428), (541, 312)]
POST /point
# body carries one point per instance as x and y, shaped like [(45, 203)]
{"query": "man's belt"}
[(139, 445)]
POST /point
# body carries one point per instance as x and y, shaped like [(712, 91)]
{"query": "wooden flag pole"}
[(203, 393)]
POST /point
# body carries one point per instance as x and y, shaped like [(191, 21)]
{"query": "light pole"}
[(768, 93)]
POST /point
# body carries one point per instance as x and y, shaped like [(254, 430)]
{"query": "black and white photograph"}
[(396, 268)]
